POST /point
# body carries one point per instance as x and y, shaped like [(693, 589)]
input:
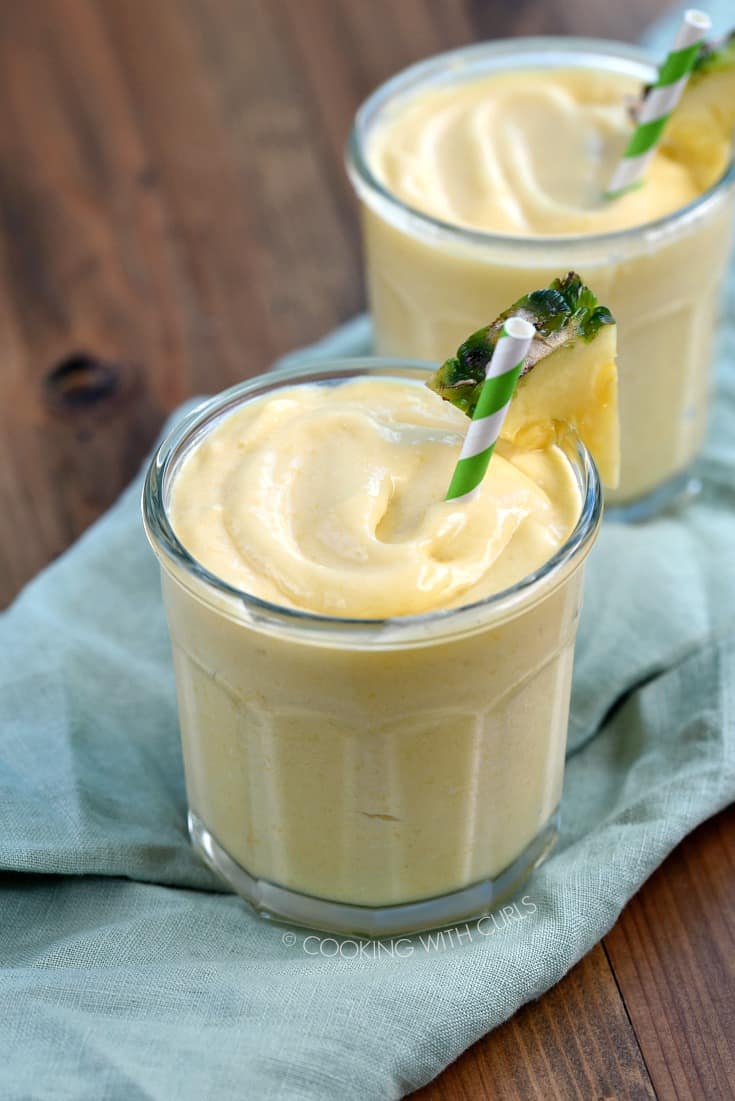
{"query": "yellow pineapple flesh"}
[(569, 375)]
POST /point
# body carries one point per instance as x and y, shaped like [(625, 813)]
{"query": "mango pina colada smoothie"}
[(373, 682), (484, 171)]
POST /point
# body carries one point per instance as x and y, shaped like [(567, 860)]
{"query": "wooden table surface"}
[(175, 214)]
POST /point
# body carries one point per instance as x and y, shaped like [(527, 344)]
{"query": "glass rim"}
[(265, 614), (364, 179)]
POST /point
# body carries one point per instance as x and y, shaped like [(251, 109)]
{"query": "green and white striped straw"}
[(501, 376), (660, 102)]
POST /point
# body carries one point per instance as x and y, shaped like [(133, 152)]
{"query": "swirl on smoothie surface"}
[(524, 153), (330, 499)]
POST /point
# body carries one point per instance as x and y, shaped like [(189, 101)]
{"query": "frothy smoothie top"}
[(329, 498), (526, 153)]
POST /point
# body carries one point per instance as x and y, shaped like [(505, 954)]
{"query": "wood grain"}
[(673, 954), (173, 215), (574, 1044), (173, 200)]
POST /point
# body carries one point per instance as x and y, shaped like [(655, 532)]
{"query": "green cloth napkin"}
[(128, 973)]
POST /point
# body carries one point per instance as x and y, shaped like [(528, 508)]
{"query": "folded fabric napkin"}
[(128, 972)]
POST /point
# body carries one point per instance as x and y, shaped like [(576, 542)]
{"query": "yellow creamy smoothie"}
[(367, 720), (526, 153), (331, 500), (505, 152)]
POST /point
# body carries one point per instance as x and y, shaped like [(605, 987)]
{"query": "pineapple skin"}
[(569, 376)]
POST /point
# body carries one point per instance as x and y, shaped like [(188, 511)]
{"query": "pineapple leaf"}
[(715, 55), (562, 313)]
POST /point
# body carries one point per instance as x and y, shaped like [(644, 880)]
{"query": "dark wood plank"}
[(172, 200), (623, 21), (673, 955), (574, 1044), (72, 278)]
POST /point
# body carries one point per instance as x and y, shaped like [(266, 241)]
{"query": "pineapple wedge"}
[(700, 131), (569, 376)]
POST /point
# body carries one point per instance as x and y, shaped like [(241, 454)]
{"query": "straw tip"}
[(519, 328), (618, 192), (697, 19)]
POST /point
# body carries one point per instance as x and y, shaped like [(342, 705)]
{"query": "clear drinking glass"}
[(430, 282), (368, 776)]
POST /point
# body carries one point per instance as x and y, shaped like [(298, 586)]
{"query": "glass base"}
[(281, 904), (672, 495)]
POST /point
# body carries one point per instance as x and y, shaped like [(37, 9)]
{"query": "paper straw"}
[(660, 102), (501, 376)]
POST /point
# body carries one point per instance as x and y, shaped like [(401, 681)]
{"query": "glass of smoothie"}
[(482, 172), (373, 685)]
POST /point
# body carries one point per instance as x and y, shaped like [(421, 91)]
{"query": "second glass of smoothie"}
[(373, 683), (482, 172)]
